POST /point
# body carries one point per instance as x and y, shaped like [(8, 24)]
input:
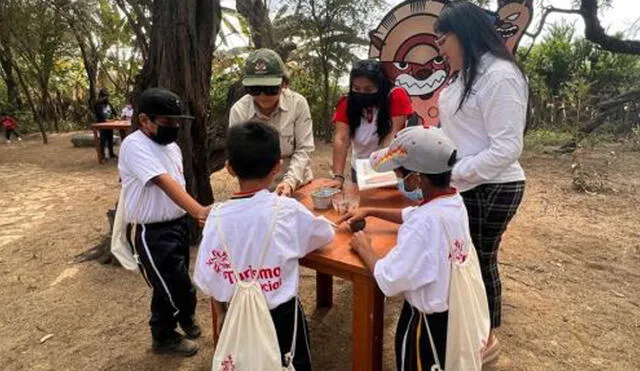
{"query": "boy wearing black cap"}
[(155, 205)]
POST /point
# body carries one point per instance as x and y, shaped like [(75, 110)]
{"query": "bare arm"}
[(341, 142), (397, 124), (390, 215), (174, 190)]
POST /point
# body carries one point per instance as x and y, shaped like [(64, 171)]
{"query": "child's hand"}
[(284, 189), (360, 243), (202, 215)]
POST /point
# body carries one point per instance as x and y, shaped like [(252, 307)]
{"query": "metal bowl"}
[(321, 197)]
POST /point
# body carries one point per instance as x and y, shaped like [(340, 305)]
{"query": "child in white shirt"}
[(432, 237), (254, 158)]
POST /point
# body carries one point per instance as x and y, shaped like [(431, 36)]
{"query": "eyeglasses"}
[(441, 39), (267, 90)]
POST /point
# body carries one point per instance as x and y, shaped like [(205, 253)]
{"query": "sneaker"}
[(192, 331), (8, 142), (19, 139), (182, 347)]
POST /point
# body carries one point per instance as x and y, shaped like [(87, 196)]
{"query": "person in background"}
[(104, 111), (287, 111), (484, 112), (155, 209), (10, 126), (368, 118), (127, 111)]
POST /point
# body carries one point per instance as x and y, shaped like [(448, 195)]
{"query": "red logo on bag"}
[(458, 253), (227, 364)]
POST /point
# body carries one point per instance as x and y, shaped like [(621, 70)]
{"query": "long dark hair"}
[(373, 71), (477, 36)]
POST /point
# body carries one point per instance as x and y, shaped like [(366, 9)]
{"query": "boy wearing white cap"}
[(433, 242)]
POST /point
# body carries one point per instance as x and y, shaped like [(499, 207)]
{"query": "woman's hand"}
[(284, 189)]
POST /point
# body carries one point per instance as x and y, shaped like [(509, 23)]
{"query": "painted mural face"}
[(404, 43), (513, 19)]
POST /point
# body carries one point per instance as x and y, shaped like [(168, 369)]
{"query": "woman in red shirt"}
[(368, 118)]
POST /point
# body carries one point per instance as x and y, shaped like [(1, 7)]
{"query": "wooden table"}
[(338, 260), (122, 126)]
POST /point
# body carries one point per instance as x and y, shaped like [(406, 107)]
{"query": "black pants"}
[(412, 341), (106, 141), (163, 250), (490, 208), (8, 132), (282, 317)]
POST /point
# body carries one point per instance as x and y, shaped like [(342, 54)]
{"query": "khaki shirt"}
[(292, 119)]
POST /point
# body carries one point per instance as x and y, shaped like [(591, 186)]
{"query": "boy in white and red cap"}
[(433, 246)]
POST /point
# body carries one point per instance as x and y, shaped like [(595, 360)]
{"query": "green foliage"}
[(540, 138), (568, 77)]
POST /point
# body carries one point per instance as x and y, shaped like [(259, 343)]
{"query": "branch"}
[(545, 13), (594, 31)]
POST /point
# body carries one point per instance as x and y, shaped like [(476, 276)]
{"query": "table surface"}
[(383, 234), (114, 125)]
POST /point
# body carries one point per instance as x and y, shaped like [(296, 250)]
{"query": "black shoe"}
[(192, 331), (182, 347)]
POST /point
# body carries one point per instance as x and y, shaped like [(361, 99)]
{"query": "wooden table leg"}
[(123, 133), (368, 316), (324, 290), (214, 320), (96, 140)]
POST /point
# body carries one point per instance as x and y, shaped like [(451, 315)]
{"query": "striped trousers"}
[(163, 250), (490, 208)]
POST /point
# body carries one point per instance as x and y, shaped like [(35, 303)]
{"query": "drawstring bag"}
[(469, 325), (120, 247), (248, 340)]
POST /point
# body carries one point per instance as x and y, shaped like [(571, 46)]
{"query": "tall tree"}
[(332, 29), (180, 57), (6, 54)]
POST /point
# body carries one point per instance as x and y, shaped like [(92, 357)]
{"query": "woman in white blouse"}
[(483, 110)]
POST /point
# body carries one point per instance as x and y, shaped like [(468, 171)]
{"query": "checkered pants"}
[(491, 207)]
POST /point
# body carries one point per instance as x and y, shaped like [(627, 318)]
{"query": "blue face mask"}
[(415, 195)]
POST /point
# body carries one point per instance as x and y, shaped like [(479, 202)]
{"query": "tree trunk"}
[(326, 115), (13, 94), (180, 59), (34, 110)]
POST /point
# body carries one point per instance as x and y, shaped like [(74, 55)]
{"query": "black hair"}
[(441, 180), (253, 149), (477, 36), (372, 70)]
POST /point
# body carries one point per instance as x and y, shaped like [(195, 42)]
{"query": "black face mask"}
[(366, 99), (165, 135)]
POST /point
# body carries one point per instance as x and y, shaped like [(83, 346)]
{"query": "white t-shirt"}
[(141, 159), (489, 128), (127, 112), (245, 223), (365, 140), (418, 266)]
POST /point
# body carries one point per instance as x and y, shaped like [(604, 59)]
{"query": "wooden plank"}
[(368, 324), (96, 141), (324, 290)]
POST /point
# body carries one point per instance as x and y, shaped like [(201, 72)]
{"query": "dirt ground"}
[(570, 264)]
